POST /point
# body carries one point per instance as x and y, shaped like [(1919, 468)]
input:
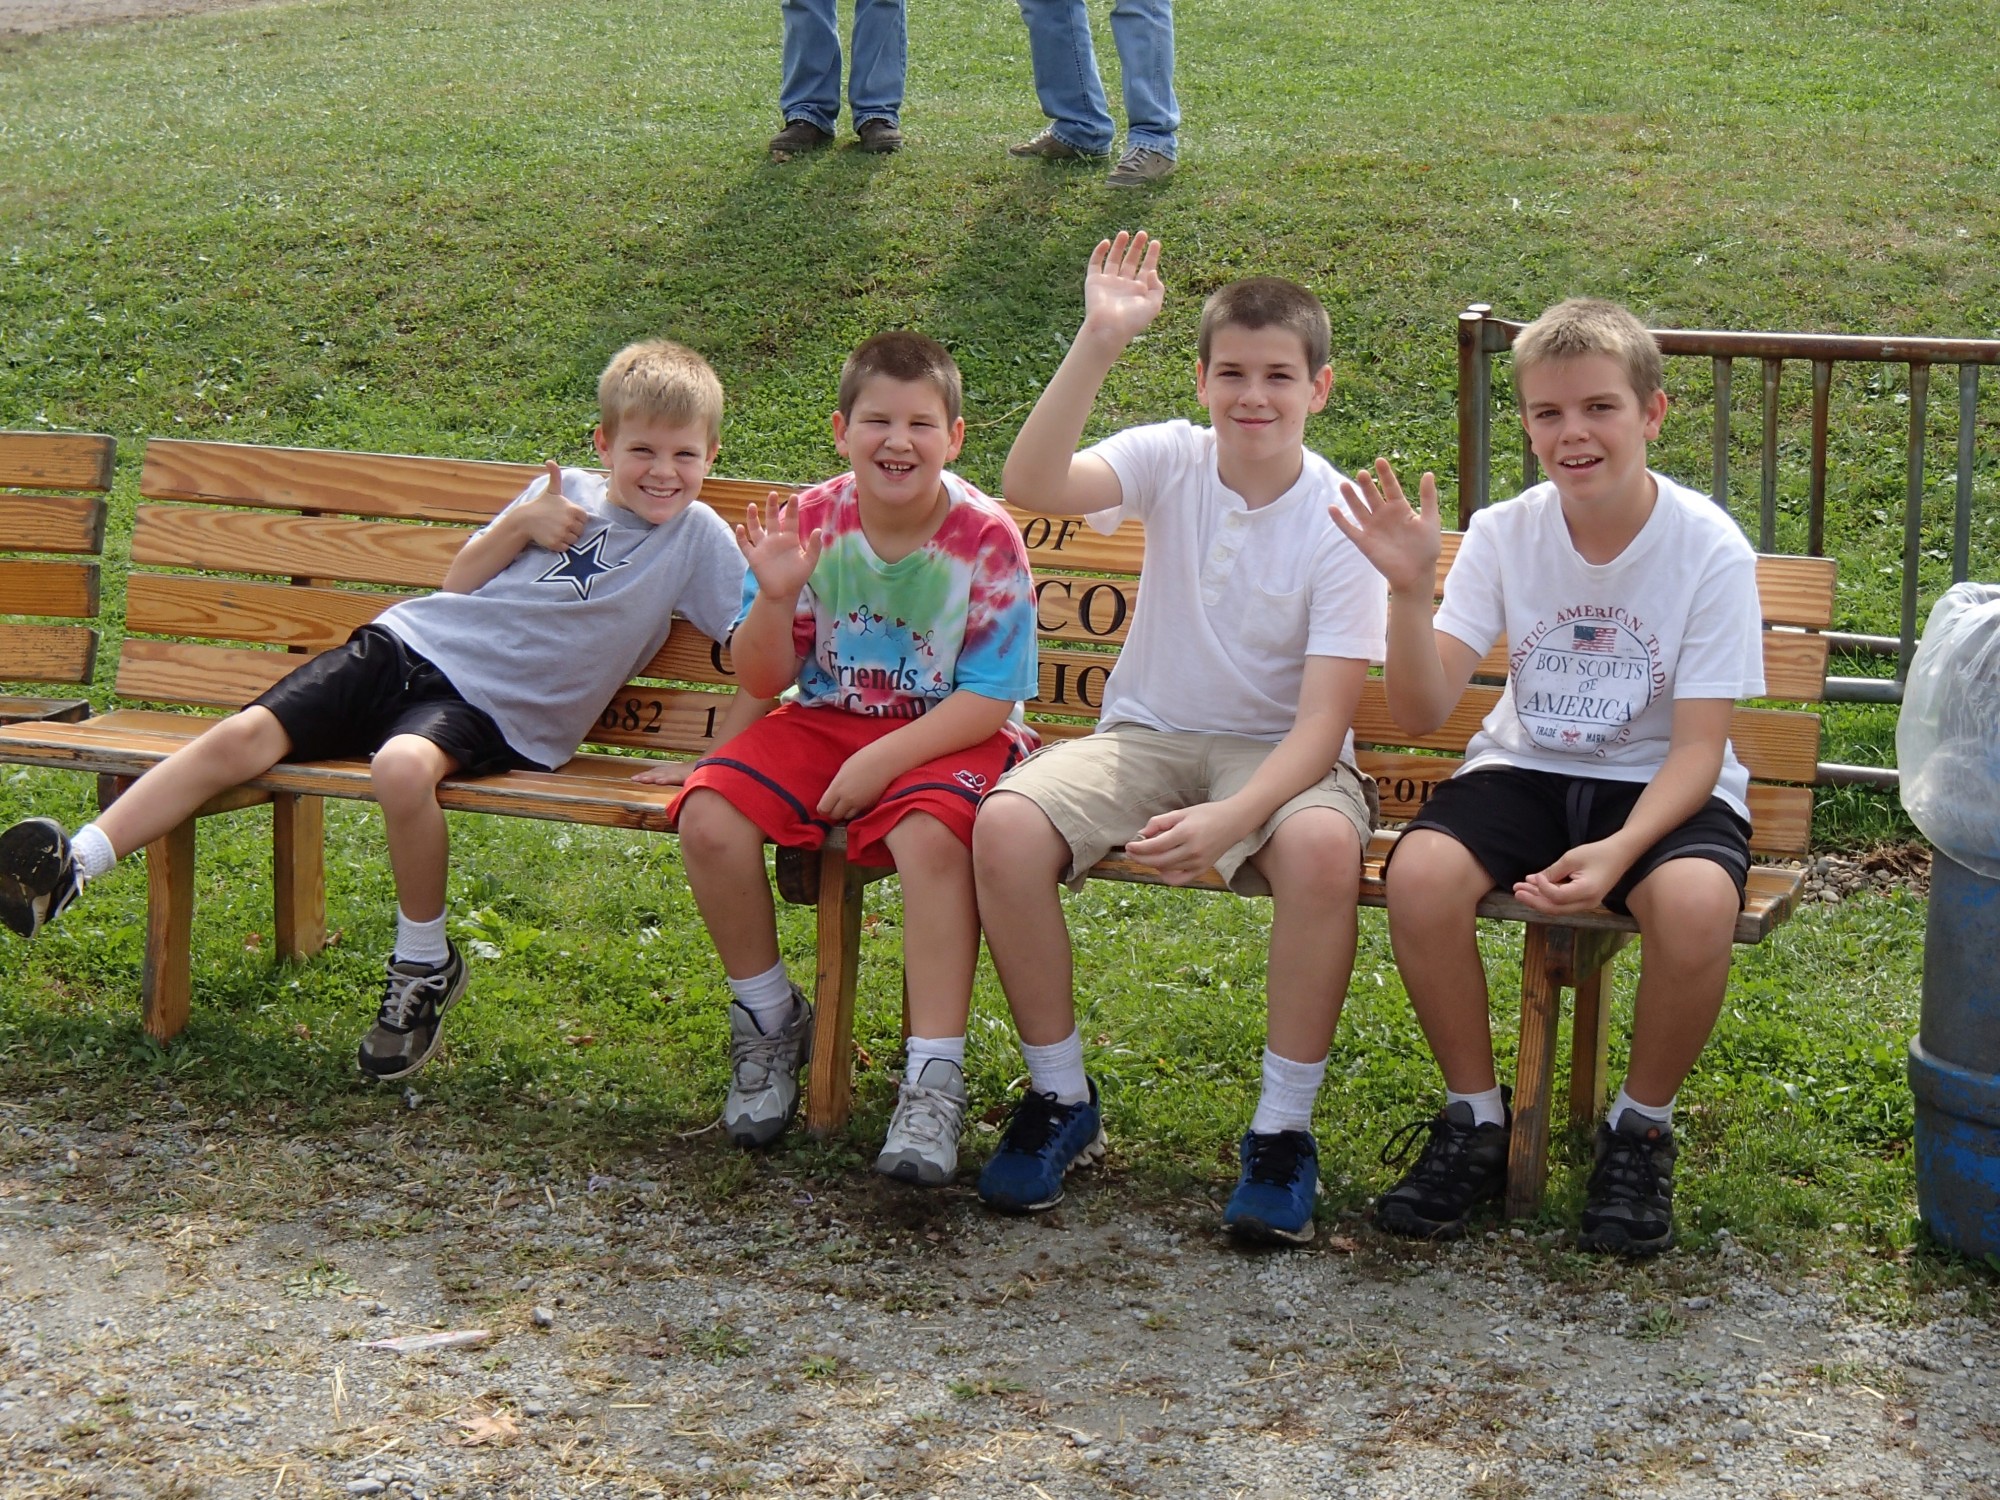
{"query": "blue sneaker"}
[(1274, 1196), (1043, 1140)]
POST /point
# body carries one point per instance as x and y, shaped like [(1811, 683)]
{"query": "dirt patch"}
[(189, 1306), (1834, 877), (33, 17)]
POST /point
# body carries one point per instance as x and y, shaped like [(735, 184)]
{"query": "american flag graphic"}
[(1594, 637)]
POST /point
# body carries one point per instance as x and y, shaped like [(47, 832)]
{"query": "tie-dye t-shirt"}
[(892, 640)]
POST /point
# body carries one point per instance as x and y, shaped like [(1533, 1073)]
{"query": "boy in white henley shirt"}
[(1224, 740)]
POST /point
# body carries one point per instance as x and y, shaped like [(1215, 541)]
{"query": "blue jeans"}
[(880, 58), (1072, 94)]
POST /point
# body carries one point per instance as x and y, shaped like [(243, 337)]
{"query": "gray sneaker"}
[(410, 1024), (764, 1073), (922, 1144), (1048, 146), (1140, 166)]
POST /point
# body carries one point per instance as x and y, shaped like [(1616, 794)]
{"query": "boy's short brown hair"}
[(661, 380), (1268, 302), (1590, 325), (902, 355)]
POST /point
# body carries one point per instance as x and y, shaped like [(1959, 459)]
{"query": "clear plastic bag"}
[(1948, 737)]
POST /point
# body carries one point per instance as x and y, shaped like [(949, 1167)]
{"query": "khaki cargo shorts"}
[(1099, 791)]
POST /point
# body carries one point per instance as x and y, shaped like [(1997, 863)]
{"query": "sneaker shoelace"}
[(928, 1115), (1274, 1159), (403, 996), (1628, 1172), (757, 1058), (1036, 1119), (1439, 1161)]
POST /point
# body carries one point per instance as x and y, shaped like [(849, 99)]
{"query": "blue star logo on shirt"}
[(582, 564)]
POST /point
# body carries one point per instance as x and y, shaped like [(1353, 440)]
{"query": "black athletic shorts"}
[(1516, 822), (349, 702)]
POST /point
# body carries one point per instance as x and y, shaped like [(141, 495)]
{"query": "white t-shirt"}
[(1598, 652), (1231, 600)]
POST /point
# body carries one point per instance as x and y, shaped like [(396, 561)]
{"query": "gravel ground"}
[(186, 1308)]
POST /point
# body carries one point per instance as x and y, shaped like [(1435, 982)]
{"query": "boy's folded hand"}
[(1122, 290), (1576, 882), (856, 786), (1402, 543), (554, 522), (1183, 845), (782, 561)]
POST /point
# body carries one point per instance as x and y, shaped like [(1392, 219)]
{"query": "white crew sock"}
[(421, 942), (1058, 1069), (921, 1049), (1487, 1106), (92, 852), (768, 997), (1289, 1091), (1661, 1115)]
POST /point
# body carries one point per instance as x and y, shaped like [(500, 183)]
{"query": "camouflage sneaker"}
[(1140, 167), (1048, 146)]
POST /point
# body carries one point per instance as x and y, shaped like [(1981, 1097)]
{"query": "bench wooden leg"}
[(1544, 963), (165, 987), (298, 874), (830, 1082), (1589, 1048)]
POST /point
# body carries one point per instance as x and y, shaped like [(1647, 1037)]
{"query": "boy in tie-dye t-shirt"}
[(898, 600)]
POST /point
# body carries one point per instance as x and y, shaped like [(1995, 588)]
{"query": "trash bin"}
[(1948, 754)]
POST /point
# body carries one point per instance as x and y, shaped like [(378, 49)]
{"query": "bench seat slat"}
[(65, 590), (57, 460), (52, 523), (323, 547)]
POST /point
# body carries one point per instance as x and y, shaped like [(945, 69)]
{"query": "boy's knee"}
[(405, 773), (252, 740), (921, 843), (1432, 876), (710, 827), (1012, 830), (1687, 903), (1316, 855)]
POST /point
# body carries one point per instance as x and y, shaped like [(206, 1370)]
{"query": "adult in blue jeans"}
[(1072, 94), (809, 95)]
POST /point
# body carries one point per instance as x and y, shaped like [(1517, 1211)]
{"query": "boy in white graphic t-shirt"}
[(1603, 775)]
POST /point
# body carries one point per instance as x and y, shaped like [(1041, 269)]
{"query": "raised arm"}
[(1426, 671), (761, 645), (1122, 294), (548, 521)]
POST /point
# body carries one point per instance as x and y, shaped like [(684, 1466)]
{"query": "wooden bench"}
[(52, 488), (1086, 588)]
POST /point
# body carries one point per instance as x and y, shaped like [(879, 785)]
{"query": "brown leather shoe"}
[(1048, 146), (1140, 167), (798, 136), (879, 136)]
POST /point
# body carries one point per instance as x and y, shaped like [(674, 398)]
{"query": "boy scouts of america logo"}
[(582, 564)]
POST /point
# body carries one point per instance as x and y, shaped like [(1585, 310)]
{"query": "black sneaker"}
[(1628, 1208), (410, 1024), (1462, 1165), (37, 875)]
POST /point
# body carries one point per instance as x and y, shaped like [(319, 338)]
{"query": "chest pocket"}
[(1277, 623)]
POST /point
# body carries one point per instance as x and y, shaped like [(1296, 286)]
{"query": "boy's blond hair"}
[(660, 380), (1590, 325), (901, 355), (1268, 302)]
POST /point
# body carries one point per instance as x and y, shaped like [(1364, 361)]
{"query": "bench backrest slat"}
[(57, 461), (177, 536), (70, 525)]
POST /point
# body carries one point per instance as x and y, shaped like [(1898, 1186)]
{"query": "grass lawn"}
[(400, 225)]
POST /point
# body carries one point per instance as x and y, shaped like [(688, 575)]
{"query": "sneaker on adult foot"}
[(1140, 166), (922, 1144), (1628, 1206), (410, 1024), (1461, 1166), (797, 137), (1274, 1197), (1048, 146), (38, 875), (1044, 1139), (764, 1073), (878, 136)]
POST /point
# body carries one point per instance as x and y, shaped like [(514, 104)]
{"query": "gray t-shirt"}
[(544, 644)]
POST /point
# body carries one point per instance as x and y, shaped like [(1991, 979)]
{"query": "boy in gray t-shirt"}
[(542, 616)]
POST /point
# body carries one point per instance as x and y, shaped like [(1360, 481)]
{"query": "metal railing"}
[(1481, 336)]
